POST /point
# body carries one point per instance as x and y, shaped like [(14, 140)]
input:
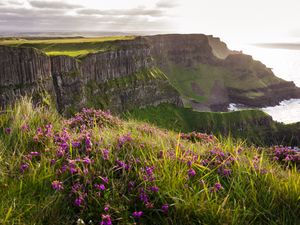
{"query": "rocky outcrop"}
[(219, 48), (23, 71), (184, 50)]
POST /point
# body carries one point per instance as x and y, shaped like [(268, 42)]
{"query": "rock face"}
[(131, 75), (189, 52), (23, 71), (184, 50)]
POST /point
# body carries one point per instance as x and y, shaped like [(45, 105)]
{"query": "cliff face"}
[(139, 72), (23, 71), (184, 50), (211, 76), (117, 80)]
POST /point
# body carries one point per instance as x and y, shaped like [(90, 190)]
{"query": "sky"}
[(232, 20)]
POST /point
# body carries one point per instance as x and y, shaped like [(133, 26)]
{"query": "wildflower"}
[(87, 160), (76, 144), (106, 220), (105, 154), (137, 214), (100, 187), (88, 142), (52, 162), (24, 167), (131, 185), (57, 185), (25, 127), (165, 208), (154, 189), (217, 187), (104, 179), (34, 153), (79, 201), (106, 208), (123, 140), (8, 130), (143, 196), (191, 173)]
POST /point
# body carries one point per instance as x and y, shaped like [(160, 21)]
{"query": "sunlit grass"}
[(68, 46), (258, 190)]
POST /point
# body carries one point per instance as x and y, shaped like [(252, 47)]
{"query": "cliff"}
[(117, 79), (125, 74), (209, 76), (23, 71)]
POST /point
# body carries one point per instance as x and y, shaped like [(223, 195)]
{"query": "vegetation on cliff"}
[(98, 169), (253, 126), (73, 47)]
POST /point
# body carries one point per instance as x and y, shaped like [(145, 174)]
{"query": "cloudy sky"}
[(243, 20)]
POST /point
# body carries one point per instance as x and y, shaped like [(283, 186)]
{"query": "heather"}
[(94, 168)]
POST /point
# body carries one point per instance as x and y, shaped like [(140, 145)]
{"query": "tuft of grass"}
[(200, 181)]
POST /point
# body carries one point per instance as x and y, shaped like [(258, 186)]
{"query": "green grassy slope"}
[(202, 83), (68, 46), (126, 172), (252, 125)]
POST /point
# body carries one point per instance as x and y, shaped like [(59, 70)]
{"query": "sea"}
[(285, 63)]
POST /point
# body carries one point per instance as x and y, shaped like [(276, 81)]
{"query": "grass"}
[(254, 126), (73, 47), (170, 178), (210, 79)]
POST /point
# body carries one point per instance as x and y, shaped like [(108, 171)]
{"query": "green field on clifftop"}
[(67, 46)]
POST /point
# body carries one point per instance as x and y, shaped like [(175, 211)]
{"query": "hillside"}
[(97, 169), (251, 126)]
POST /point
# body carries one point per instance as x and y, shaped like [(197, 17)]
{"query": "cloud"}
[(125, 12), (53, 5), (16, 2), (166, 4), (37, 16)]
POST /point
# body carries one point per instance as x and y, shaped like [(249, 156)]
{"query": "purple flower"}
[(131, 185), (100, 187), (165, 208), (57, 185), (217, 187), (137, 214), (25, 127), (105, 154), (34, 153), (24, 167), (79, 201), (8, 130), (104, 179), (52, 162), (75, 144), (87, 160), (106, 208), (191, 173), (154, 189), (106, 220), (124, 139), (143, 196)]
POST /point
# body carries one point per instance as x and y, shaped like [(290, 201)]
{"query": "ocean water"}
[(285, 64)]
